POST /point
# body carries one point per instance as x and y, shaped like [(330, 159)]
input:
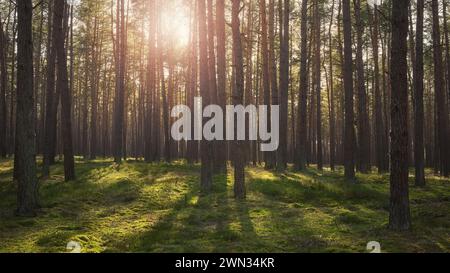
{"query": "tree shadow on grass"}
[(157, 207), (356, 213), (102, 195), (200, 223)]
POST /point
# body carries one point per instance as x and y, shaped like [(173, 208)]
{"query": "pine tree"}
[(400, 216), (24, 159)]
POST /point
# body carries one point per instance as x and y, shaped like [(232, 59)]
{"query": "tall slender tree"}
[(439, 86), (94, 91), (238, 99), (363, 115), (300, 162), (3, 87), (318, 83), (270, 157), (400, 217), (63, 85), (52, 98), (284, 84), (151, 85), (25, 155), (165, 103), (119, 108), (265, 65), (447, 54), (349, 140), (331, 93), (418, 98), (221, 147), (381, 145), (206, 149), (217, 161)]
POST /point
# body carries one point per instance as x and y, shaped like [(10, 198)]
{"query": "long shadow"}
[(320, 188), (190, 222), (71, 204), (71, 207), (207, 225), (164, 235), (234, 226)]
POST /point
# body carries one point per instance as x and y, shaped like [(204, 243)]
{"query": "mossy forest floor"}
[(140, 207)]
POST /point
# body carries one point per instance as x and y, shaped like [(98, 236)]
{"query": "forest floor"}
[(140, 207)]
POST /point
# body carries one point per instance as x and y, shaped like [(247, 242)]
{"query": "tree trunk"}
[(265, 67), (270, 157), (25, 156), (381, 145), (3, 86), (221, 147), (331, 96), (192, 146), (400, 217), (13, 95), (63, 85), (447, 57), (94, 93), (447, 51), (248, 97), (363, 115), (151, 86), (217, 160), (318, 84), (349, 140), (51, 97), (284, 86), (238, 99), (119, 108), (439, 85), (206, 149), (418, 97), (300, 162), (37, 79)]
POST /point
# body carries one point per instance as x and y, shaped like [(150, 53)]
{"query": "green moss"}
[(138, 207), (54, 239)]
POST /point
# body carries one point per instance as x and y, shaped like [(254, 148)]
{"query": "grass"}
[(138, 207)]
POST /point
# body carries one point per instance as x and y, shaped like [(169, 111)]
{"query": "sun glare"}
[(175, 22)]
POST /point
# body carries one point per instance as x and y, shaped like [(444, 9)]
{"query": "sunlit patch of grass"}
[(139, 207)]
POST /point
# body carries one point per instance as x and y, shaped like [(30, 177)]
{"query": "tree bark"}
[(363, 115), (439, 85), (206, 149), (447, 52), (119, 108), (221, 147), (300, 162), (418, 97), (318, 84), (151, 85), (63, 85), (25, 156), (381, 145), (332, 97), (400, 217), (270, 157), (349, 141), (265, 67), (238, 99), (3, 87), (218, 163), (284, 86), (52, 99), (94, 93), (447, 57)]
